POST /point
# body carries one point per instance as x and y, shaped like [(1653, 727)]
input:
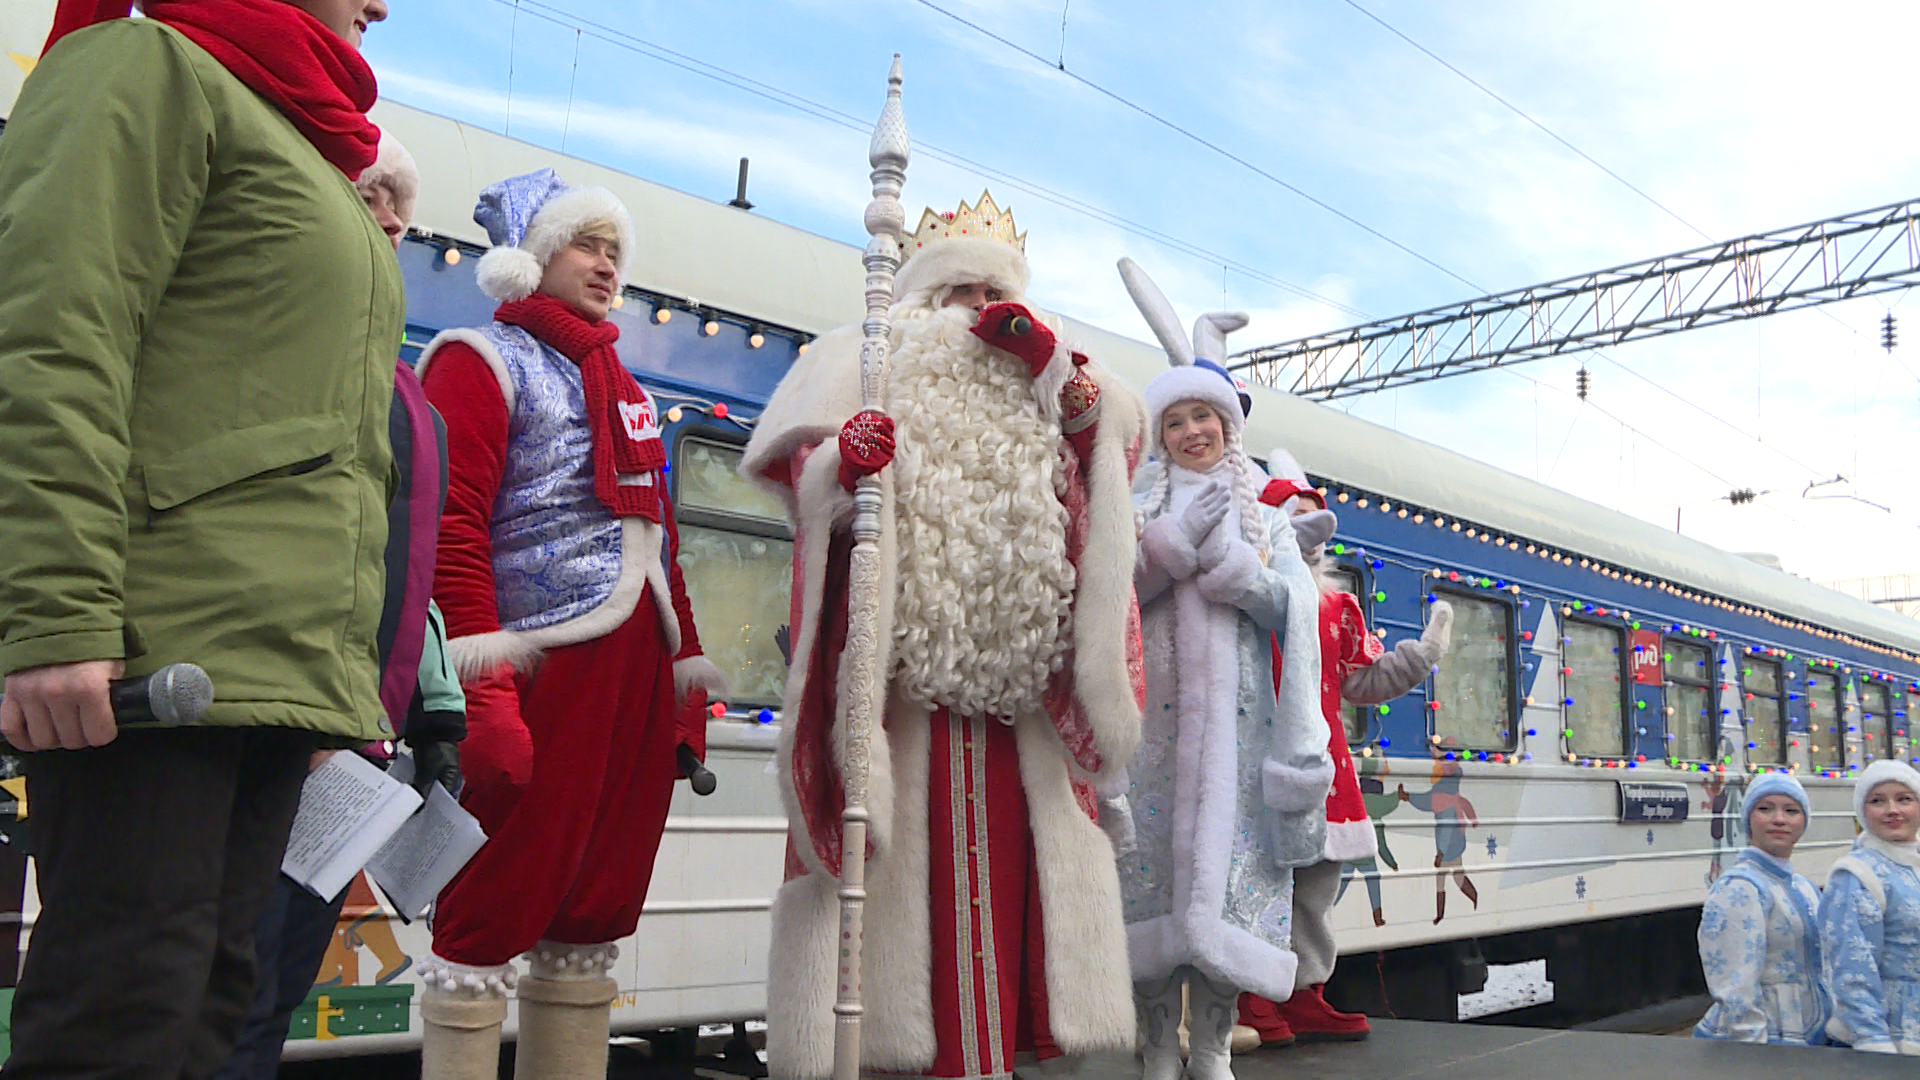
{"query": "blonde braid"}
[(1158, 496), (1253, 524)]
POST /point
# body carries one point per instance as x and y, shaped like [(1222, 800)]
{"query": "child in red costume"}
[(569, 624), (1355, 668)]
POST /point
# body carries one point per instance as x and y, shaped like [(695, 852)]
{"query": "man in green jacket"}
[(197, 329)]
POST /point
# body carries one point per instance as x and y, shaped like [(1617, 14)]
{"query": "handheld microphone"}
[(176, 694), (697, 775), (1016, 325)]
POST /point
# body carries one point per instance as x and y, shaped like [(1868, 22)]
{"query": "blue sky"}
[(1739, 117)]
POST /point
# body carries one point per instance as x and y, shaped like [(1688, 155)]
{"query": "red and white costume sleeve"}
[(568, 628)]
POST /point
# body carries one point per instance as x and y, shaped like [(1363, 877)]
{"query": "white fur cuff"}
[(1236, 574), (1290, 789), (478, 655), (698, 671), (1166, 546)]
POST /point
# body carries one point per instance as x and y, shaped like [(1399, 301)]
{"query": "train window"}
[(1473, 691), (1595, 673), (1826, 722), (707, 475), (738, 560), (1691, 715), (1766, 713), (1347, 580), (1876, 715)]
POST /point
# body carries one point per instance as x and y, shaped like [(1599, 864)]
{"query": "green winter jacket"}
[(198, 320)]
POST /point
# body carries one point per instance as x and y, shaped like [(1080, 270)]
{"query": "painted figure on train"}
[(1355, 669), (1870, 918), (1759, 939), (1228, 792), (1010, 640), (570, 627)]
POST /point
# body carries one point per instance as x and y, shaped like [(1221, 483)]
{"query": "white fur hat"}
[(394, 170), (1196, 373), (1880, 772), (530, 218), (960, 260)]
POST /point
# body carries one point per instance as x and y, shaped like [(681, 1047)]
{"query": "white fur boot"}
[(461, 1010), (1157, 1001), (1212, 1007), (564, 1004)]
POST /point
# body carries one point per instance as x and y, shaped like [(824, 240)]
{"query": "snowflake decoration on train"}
[(1580, 887)]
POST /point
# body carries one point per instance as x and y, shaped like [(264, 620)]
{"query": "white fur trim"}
[(1862, 873), (1052, 379), (513, 273), (698, 671), (1237, 572), (640, 567), (1880, 772), (475, 340), (1282, 466), (1350, 841), (816, 396), (1164, 544), (563, 216), (800, 983), (1088, 973), (478, 655), (1179, 384), (396, 171), (1290, 789), (507, 274), (962, 260)]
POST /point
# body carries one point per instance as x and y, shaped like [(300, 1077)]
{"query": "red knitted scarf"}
[(282, 53), (627, 451)]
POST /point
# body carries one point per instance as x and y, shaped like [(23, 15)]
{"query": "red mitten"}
[(866, 446), (1035, 345)]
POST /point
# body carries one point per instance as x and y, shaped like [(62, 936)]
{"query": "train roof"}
[(708, 253)]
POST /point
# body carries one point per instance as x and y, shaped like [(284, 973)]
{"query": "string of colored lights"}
[(1897, 686)]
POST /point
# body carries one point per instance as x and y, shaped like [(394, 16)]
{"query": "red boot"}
[(1264, 1017), (1313, 1020)]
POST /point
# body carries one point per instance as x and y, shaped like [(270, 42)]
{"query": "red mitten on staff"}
[(1032, 342), (866, 446)]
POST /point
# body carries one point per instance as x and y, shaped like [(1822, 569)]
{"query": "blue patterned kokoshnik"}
[(556, 548)]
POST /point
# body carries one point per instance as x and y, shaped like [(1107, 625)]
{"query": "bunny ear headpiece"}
[(1197, 373)]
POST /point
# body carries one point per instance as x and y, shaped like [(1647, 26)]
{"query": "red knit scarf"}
[(282, 53), (627, 451)]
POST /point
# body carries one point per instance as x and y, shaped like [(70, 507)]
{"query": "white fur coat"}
[(1228, 789), (1087, 969)]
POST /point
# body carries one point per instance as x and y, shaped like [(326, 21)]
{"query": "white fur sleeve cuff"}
[(1167, 547), (1290, 789), (1236, 574), (698, 671)]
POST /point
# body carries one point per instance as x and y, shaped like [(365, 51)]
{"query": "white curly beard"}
[(984, 609)]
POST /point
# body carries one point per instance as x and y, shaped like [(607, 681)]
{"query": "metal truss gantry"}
[(1840, 258)]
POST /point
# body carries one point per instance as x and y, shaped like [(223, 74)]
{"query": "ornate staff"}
[(885, 219)]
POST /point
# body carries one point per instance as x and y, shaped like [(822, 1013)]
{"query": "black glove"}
[(436, 762)]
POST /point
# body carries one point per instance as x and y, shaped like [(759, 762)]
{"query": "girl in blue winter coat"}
[(1870, 918), (1759, 936)]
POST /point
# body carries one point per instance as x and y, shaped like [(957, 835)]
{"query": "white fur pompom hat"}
[(394, 170), (1881, 772), (1197, 372), (530, 218)]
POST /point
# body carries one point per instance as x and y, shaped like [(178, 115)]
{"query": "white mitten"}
[(1164, 544), (1406, 666), (1313, 528), (1205, 511), (1236, 572)]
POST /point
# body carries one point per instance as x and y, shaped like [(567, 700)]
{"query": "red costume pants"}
[(570, 772), (989, 956)]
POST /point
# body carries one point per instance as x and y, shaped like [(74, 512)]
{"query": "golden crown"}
[(983, 219)]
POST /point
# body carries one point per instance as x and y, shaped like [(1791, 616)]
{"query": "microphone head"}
[(179, 694)]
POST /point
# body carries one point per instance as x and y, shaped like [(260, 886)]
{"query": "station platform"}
[(1404, 1049)]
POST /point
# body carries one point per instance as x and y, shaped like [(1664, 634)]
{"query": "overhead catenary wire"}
[(620, 39), (1199, 140)]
